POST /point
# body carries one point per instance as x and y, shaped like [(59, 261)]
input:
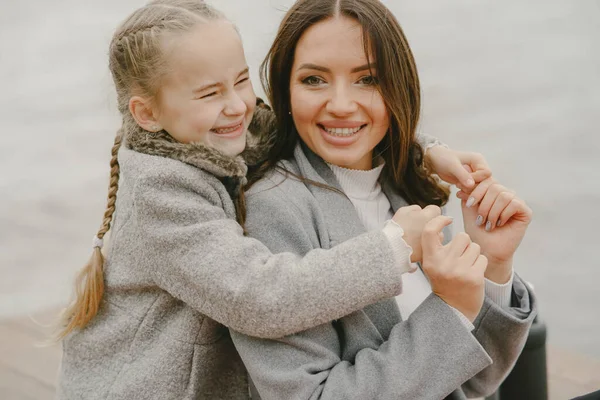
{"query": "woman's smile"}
[(341, 133)]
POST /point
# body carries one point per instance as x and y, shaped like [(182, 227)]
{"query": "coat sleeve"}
[(311, 365), (502, 333), (308, 365), (192, 250), (427, 141)]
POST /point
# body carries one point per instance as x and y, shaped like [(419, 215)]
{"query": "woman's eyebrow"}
[(314, 66), (364, 68), (324, 69)]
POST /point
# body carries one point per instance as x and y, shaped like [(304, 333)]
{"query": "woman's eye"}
[(368, 80), (312, 81), (242, 80)]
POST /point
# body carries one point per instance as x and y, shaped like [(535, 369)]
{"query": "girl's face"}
[(207, 95), (336, 107)]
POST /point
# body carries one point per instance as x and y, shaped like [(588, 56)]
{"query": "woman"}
[(344, 87)]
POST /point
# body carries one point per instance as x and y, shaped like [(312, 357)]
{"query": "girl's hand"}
[(463, 169), (456, 270), (497, 223), (412, 219)]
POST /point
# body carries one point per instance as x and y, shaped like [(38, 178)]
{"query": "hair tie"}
[(97, 242)]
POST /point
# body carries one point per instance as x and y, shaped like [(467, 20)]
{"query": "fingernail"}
[(479, 220), (488, 226), (470, 201), (498, 223), (470, 182)]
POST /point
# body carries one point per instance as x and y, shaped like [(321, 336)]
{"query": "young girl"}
[(347, 108), (146, 322)]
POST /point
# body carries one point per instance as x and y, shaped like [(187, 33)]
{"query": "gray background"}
[(518, 81)]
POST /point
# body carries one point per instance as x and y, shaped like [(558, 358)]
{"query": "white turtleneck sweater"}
[(374, 210)]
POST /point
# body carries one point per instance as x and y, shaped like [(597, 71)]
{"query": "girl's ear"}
[(143, 113)]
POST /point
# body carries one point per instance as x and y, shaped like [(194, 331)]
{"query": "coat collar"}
[(339, 212)]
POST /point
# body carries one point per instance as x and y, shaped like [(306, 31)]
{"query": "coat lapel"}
[(394, 198), (343, 223), (339, 213)]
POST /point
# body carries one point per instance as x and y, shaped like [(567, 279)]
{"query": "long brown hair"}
[(398, 84), (137, 65)]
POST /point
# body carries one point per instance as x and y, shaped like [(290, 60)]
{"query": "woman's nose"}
[(341, 102)]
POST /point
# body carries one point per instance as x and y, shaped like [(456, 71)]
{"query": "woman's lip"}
[(342, 124), (340, 140)]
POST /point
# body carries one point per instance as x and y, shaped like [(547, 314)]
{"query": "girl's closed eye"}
[(208, 95), (312, 81), (243, 80)]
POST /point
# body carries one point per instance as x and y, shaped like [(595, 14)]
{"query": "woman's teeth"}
[(226, 130), (343, 131)]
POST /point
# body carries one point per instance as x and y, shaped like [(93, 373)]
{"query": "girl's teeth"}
[(342, 131), (226, 130)]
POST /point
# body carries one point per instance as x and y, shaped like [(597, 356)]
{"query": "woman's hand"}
[(412, 219), (497, 223), (456, 270), (451, 166)]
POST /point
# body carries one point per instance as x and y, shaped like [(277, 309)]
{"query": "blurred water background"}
[(517, 81)]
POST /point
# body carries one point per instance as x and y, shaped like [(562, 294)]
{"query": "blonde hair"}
[(137, 63)]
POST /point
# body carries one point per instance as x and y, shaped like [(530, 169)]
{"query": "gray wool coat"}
[(370, 353), (179, 270)]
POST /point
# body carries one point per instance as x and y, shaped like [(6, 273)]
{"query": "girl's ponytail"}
[(89, 284)]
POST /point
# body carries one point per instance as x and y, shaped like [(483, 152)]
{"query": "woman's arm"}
[(502, 332), (193, 251), (427, 356), (449, 164), (316, 364)]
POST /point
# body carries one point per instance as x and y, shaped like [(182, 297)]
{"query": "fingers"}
[(462, 174), (430, 239), (516, 209), (476, 161), (479, 192), (481, 175), (471, 254), (459, 244), (480, 265), (404, 211), (477, 166), (496, 195), (502, 201), (432, 211)]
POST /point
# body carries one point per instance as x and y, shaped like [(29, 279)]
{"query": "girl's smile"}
[(231, 131)]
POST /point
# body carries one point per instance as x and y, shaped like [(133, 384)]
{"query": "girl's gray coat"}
[(178, 269), (371, 353)]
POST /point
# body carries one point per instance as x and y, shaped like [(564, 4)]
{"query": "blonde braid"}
[(113, 186), (89, 286), (137, 65)]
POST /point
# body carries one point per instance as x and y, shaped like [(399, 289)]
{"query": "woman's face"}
[(336, 107)]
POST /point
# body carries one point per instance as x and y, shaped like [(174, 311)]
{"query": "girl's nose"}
[(234, 105)]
